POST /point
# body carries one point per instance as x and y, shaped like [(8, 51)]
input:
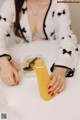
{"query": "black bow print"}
[(52, 33), (8, 35), (2, 18), (60, 13), (24, 10), (69, 36), (65, 51), (63, 38), (23, 30), (77, 49), (64, 12), (53, 14)]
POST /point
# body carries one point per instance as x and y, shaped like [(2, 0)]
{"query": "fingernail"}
[(49, 87), (49, 92), (17, 82), (58, 92), (52, 94)]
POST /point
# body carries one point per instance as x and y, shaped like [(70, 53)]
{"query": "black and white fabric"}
[(56, 26)]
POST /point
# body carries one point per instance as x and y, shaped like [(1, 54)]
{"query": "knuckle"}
[(15, 72)]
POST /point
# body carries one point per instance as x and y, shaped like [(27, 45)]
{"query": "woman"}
[(40, 20)]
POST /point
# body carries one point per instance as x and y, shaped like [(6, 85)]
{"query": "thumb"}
[(51, 76)]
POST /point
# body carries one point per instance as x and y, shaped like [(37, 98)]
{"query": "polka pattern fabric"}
[(56, 26)]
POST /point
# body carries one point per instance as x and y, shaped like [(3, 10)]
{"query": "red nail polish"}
[(49, 87), (49, 92), (52, 94)]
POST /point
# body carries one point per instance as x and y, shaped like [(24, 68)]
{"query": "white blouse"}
[(56, 26)]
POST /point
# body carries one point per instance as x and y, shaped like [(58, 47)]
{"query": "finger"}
[(58, 87), (15, 65), (51, 76), (14, 62), (53, 81), (12, 81), (62, 88), (54, 87), (16, 77)]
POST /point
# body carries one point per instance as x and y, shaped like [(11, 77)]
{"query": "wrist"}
[(64, 70), (3, 59)]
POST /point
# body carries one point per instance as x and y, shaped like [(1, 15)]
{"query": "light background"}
[(75, 17)]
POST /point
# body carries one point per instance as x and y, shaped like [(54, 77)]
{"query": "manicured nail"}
[(49, 87), (17, 82), (52, 94), (49, 92), (58, 92)]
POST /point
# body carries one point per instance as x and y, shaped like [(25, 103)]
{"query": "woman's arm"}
[(8, 72), (68, 53), (67, 56), (7, 19)]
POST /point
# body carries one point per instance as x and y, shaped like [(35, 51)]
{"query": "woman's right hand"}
[(8, 74)]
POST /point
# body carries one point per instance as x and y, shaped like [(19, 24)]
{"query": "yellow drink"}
[(43, 79)]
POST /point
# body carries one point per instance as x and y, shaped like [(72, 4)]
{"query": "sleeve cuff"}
[(70, 71), (6, 55)]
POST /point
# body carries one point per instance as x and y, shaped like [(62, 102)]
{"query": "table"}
[(23, 102)]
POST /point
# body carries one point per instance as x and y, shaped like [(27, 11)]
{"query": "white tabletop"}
[(23, 102)]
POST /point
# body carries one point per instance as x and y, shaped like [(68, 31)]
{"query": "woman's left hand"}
[(16, 65), (57, 83)]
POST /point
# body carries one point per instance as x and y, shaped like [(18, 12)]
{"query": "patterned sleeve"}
[(68, 51), (7, 18)]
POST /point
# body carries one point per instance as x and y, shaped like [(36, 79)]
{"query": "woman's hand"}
[(15, 64), (8, 73), (57, 83)]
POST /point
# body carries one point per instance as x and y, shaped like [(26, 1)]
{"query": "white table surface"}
[(23, 102)]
